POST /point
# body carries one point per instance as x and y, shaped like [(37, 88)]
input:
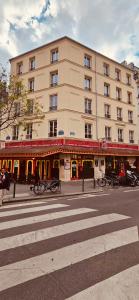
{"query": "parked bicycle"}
[(41, 187), (111, 180)]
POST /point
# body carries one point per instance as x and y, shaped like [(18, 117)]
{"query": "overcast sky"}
[(108, 26)]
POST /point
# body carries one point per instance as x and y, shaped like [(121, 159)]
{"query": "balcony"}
[(119, 118), (53, 108), (88, 111), (108, 116), (87, 88), (54, 84)]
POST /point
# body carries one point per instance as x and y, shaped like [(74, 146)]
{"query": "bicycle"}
[(108, 180), (41, 187)]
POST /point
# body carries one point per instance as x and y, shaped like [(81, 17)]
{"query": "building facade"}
[(90, 107)]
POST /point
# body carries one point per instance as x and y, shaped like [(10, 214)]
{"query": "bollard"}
[(14, 189), (83, 185), (94, 183)]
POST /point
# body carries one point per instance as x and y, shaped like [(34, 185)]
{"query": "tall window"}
[(118, 93), (131, 136), (88, 106), (29, 110), (54, 55), (87, 83), (129, 97), (54, 78), (108, 133), (106, 69), (88, 131), (32, 63), (128, 79), (19, 68), (120, 135), (53, 102), (53, 128), (31, 84), (15, 132), (130, 116), (107, 110), (29, 128), (118, 74), (16, 109), (87, 61), (119, 114), (106, 89)]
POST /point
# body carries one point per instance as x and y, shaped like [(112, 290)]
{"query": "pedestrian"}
[(37, 176), (4, 183)]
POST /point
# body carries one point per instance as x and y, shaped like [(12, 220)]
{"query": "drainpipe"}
[(96, 98)]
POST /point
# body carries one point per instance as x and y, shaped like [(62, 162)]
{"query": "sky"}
[(107, 26)]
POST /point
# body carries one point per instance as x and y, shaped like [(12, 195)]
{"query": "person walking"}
[(4, 183)]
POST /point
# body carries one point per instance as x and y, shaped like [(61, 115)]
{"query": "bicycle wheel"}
[(54, 188), (101, 182), (39, 188)]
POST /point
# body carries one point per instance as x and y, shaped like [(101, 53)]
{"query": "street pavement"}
[(78, 247)]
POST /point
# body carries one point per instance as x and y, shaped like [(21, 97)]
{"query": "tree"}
[(15, 102)]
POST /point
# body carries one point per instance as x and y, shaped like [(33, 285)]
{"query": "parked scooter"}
[(131, 178)]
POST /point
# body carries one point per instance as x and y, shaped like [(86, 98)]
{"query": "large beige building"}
[(90, 107)]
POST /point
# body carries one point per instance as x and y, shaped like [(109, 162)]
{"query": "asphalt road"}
[(77, 248)]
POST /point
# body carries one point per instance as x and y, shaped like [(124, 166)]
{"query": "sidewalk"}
[(23, 191)]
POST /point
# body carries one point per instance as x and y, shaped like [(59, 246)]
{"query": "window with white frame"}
[(119, 114), (52, 128), (32, 63), (88, 130), (29, 129), (87, 61), (87, 83), (118, 74), (130, 116), (19, 68), (129, 97), (54, 78), (106, 89), (53, 102), (106, 68), (120, 135), (128, 79), (88, 106), (108, 133), (54, 55), (31, 84), (107, 110), (131, 136), (15, 132), (118, 93)]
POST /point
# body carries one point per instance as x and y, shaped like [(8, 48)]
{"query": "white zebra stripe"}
[(47, 233), (124, 285), (25, 270), (44, 217), (31, 203), (32, 209)]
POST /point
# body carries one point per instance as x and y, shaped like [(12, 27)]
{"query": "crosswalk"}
[(59, 251)]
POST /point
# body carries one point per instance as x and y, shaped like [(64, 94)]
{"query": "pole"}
[(83, 179), (14, 189)]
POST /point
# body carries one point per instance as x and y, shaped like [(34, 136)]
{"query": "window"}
[(119, 114), (106, 69), (17, 109), (53, 102), (106, 89), (29, 110), (29, 131), (87, 83), (31, 84), (129, 98), (88, 105), (131, 136), (107, 110), (53, 128), (108, 133), (88, 131), (54, 55), (19, 68), (118, 93), (128, 79), (32, 63), (120, 135), (138, 92), (87, 61), (18, 90), (130, 116), (118, 74), (15, 132), (54, 78)]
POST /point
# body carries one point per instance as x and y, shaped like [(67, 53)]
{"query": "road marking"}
[(44, 217), (124, 285), (32, 209), (85, 196), (7, 206), (127, 191), (25, 270), (47, 233)]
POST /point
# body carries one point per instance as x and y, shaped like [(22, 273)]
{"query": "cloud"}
[(109, 26)]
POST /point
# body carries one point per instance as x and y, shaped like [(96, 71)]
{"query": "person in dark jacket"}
[(4, 183)]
